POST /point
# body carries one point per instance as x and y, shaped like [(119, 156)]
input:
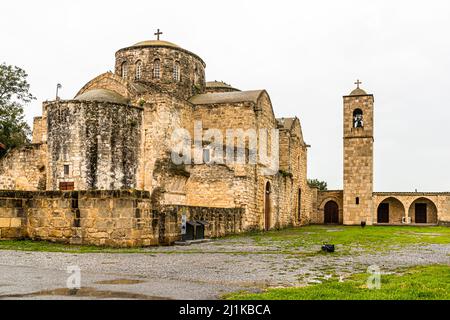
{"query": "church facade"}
[(101, 168)]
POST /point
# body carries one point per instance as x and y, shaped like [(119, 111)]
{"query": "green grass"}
[(44, 246), (347, 238), (419, 283), (305, 241)]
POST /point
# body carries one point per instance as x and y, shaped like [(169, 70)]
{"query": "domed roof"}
[(156, 43), (219, 84), (102, 95), (358, 92)]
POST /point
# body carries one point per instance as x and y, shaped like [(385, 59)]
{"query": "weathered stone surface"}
[(120, 228)]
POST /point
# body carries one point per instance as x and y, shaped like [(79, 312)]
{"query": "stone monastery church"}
[(99, 169)]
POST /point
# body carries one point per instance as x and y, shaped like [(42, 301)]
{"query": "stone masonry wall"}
[(192, 69), (358, 162), (38, 130), (98, 141), (221, 221), (323, 197), (403, 205), (104, 218), (24, 168)]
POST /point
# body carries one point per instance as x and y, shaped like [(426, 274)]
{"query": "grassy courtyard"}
[(287, 264), (348, 239), (305, 240), (421, 282)]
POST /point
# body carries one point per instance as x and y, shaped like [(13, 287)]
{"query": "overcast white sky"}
[(307, 54)]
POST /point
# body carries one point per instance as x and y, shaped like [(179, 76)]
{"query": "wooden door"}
[(331, 213)]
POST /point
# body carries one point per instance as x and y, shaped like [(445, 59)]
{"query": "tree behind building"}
[(14, 94)]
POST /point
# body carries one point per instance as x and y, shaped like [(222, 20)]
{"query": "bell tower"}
[(358, 157)]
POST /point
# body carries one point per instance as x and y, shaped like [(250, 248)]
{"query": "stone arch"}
[(423, 210), (358, 118), (113, 82), (390, 210), (324, 203)]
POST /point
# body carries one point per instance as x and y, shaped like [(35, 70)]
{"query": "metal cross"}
[(158, 33), (358, 83)]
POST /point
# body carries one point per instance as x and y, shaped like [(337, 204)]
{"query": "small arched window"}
[(176, 72), (157, 69), (138, 70), (358, 119), (124, 70)]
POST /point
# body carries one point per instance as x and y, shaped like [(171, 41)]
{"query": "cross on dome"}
[(157, 34)]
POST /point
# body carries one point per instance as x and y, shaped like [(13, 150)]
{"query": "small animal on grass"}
[(363, 224)]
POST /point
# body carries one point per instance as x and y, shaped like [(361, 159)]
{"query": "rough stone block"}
[(5, 222)]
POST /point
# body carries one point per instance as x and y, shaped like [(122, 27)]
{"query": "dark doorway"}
[(383, 213), (331, 213), (267, 207), (421, 213)]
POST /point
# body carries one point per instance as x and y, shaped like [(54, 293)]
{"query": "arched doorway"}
[(390, 210), (423, 211), (267, 207), (331, 213)]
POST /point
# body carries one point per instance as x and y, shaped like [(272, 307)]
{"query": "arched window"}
[(157, 69), (176, 72), (124, 70), (138, 70), (358, 120)]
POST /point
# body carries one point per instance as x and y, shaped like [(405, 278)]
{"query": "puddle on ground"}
[(120, 281), (85, 293)]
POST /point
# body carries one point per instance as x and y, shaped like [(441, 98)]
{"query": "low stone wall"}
[(104, 218), (12, 216), (221, 221)]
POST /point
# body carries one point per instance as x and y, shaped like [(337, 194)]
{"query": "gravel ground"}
[(204, 271)]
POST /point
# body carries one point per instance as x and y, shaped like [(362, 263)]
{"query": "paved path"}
[(204, 271)]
